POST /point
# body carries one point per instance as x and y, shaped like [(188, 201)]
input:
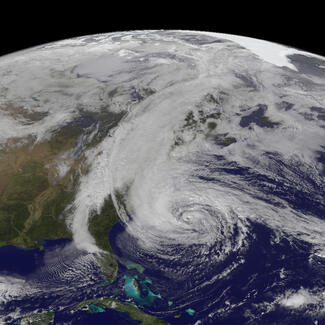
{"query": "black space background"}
[(298, 25)]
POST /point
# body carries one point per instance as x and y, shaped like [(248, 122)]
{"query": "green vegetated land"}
[(37, 319), (99, 227), (32, 196), (109, 303), (32, 199)]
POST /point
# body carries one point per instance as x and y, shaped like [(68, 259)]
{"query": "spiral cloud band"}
[(213, 154)]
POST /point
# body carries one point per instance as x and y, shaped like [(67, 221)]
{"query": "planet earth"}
[(162, 177)]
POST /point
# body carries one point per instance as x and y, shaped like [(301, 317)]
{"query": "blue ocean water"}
[(250, 283), (20, 261), (259, 274), (249, 291), (42, 268), (256, 281)]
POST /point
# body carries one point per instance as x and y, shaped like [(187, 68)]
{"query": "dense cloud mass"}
[(216, 167)]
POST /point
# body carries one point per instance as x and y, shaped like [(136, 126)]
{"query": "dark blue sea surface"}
[(255, 282), (48, 270), (57, 292), (21, 261), (239, 289), (252, 280)]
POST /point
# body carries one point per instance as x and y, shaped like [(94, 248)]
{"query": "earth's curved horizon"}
[(162, 176)]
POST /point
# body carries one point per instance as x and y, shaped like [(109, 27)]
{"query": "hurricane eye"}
[(163, 176)]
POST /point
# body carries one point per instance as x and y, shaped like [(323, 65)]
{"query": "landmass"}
[(100, 304), (99, 227), (33, 193), (39, 179), (139, 290), (37, 319), (205, 121), (138, 267)]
